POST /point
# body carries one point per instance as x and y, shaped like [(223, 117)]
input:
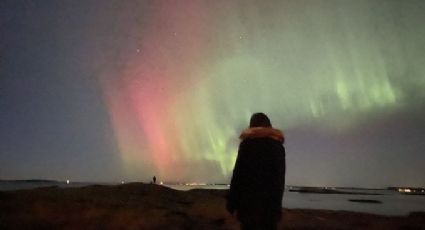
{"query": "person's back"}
[(258, 177)]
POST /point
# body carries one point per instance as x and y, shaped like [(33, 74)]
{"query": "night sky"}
[(124, 90)]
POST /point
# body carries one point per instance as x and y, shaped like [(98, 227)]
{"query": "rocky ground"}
[(148, 206)]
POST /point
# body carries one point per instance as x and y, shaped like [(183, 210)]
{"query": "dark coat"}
[(258, 180)]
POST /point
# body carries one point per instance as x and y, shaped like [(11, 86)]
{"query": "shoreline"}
[(150, 206)]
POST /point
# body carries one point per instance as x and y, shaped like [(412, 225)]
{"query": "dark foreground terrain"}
[(147, 206)]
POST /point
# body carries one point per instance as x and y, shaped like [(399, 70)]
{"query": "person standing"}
[(258, 180)]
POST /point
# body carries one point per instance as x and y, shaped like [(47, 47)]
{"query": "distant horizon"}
[(188, 183)]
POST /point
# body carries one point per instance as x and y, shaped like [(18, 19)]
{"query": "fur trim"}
[(258, 132)]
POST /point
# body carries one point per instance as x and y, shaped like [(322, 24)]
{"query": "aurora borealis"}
[(112, 90)]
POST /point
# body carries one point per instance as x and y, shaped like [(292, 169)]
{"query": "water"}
[(393, 203)]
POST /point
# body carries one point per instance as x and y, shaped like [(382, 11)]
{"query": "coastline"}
[(150, 206)]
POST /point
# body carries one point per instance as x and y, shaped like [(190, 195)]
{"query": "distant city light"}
[(195, 184), (404, 190)]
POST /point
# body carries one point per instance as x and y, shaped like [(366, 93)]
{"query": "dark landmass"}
[(359, 188), (413, 193), (366, 201), (407, 187), (32, 181), (328, 191), (150, 206)]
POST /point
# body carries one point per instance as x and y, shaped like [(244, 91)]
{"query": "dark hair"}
[(259, 120)]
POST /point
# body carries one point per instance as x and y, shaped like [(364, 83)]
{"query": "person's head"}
[(259, 120)]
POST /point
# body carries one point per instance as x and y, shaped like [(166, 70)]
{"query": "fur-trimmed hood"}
[(258, 132)]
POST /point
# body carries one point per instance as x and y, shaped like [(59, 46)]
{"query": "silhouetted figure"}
[(258, 180), (154, 179)]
